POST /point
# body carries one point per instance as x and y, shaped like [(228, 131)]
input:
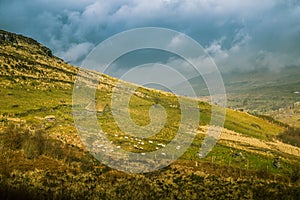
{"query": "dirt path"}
[(240, 141)]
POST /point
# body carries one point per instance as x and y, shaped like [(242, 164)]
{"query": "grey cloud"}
[(76, 52), (234, 32)]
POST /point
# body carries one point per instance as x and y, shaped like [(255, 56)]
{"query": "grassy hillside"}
[(41, 154)]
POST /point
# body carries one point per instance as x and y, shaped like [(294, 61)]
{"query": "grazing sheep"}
[(160, 144)]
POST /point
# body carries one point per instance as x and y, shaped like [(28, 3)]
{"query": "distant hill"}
[(260, 91), (42, 155)]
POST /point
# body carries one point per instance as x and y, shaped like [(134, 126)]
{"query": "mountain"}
[(260, 91), (43, 157)]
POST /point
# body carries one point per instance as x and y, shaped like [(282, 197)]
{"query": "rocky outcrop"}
[(15, 39), (7, 37)]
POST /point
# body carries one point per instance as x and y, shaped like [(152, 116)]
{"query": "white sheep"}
[(160, 144)]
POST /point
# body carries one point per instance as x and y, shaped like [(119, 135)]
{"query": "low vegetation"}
[(58, 171), (291, 136)]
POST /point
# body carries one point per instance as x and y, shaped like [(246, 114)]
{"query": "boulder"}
[(50, 118)]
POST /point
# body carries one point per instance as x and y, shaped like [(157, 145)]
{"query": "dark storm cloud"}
[(246, 34)]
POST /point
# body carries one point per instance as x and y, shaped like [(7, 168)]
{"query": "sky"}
[(237, 34)]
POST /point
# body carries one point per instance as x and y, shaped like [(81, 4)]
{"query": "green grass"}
[(250, 125), (17, 101)]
